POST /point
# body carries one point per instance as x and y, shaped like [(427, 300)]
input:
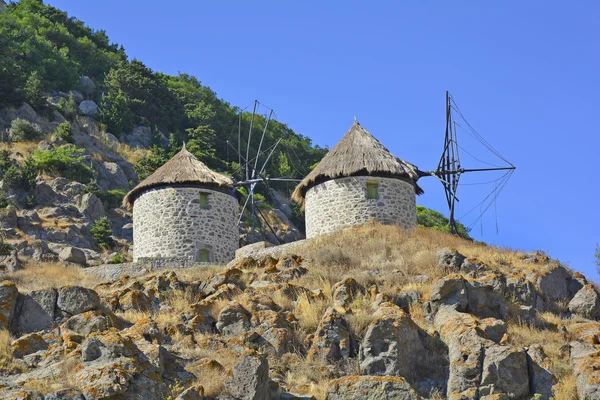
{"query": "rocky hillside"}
[(368, 313), (50, 209)]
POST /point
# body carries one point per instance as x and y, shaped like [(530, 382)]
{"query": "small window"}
[(204, 201), (203, 255), (372, 192)]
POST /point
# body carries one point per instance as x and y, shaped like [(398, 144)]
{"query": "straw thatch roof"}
[(182, 169), (358, 153)]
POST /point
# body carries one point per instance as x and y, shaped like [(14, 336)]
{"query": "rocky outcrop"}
[(76, 300), (88, 108), (333, 339), (91, 207), (8, 302), (72, 255), (585, 359), (586, 302), (249, 379), (371, 388), (391, 344)]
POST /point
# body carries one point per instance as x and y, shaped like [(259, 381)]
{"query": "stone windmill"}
[(360, 180)]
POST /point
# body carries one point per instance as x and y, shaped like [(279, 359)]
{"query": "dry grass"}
[(44, 275), (566, 389), (212, 380), (523, 335), (199, 273), (133, 316), (132, 155), (64, 378), (362, 315), (302, 376), (8, 364), (309, 311), (25, 149)]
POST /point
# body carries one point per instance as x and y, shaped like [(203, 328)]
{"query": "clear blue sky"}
[(525, 74)]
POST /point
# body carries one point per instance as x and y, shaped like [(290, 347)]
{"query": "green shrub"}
[(92, 187), (435, 220), (4, 160), (102, 232), (117, 259), (66, 161), (30, 201), (21, 130), (68, 107), (29, 174), (34, 92), (3, 200), (63, 131), (12, 177), (5, 248), (112, 198)]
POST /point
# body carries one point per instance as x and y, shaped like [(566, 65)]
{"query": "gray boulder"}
[(450, 259), (88, 108), (521, 290), (371, 388), (391, 344), (249, 379), (333, 339), (449, 291), (44, 194), (484, 301), (541, 379), (37, 310), (233, 320), (554, 284), (91, 207), (72, 254), (81, 325), (116, 175), (586, 302), (76, 300), (87, 85), (505, 371), (406, 299)]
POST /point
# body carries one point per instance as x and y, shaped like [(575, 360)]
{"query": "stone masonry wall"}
[(169, 223), (340, 203)]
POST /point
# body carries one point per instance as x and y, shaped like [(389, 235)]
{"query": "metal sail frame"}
[(449, 168), (253, 175)]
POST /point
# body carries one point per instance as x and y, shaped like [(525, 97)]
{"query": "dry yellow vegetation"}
[(383, 259)]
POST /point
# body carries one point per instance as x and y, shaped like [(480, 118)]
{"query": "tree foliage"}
[(435, 220), (41, 41), (42, 49), (66, 161), (102, 232)]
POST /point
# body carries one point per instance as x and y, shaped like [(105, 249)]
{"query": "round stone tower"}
[(357, 181), (184, 211)]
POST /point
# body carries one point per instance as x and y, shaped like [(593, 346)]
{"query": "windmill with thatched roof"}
[(357, 181), (186, 212)]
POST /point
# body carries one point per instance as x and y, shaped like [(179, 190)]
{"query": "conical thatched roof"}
[(182, 169), (358, 153)]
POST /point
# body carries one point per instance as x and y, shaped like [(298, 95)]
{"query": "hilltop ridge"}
[(366, 311)]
